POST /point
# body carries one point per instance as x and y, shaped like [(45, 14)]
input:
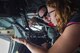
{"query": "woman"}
[(66, 15)]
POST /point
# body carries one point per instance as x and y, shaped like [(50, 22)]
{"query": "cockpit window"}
[(5, 44)]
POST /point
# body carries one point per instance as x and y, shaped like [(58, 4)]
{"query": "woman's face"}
[(52, 15)]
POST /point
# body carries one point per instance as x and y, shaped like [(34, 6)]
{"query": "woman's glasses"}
[(48, 14)]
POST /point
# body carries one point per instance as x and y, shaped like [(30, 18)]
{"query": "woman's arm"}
[(68, 41), (35, 48), (32, 47)]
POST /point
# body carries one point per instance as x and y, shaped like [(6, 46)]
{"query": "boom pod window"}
[(5, 44)]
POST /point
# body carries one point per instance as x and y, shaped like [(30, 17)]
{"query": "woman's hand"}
[(20, 40)]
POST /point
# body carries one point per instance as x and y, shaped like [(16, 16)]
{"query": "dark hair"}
[(42, 6)]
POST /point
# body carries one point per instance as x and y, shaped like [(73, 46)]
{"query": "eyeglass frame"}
[(48, 14)]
